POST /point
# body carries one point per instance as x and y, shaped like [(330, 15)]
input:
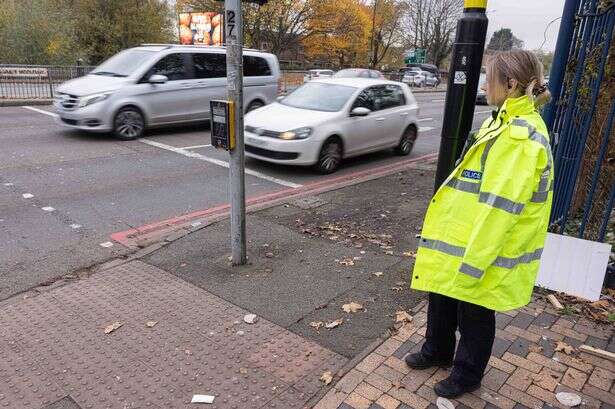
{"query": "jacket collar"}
[(513, 107)]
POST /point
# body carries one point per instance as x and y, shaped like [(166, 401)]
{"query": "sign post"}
[(462, 88), (234, 89)]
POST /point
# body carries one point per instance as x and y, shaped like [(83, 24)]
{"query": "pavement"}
[(67, 194), (155, 327)]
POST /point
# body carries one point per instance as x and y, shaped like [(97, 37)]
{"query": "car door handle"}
[(379, 119), (404, 114)]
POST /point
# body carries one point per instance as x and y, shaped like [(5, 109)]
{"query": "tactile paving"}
[(53, 345)]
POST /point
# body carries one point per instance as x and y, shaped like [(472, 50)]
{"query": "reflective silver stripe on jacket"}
[(463, 185), (500, 202), (442, 247), (506, 262), (471, 271)]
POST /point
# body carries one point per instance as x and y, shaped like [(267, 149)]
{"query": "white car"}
[(420, 78), (325, 121), (316, 74)]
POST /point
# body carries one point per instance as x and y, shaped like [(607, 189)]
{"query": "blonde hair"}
[(522, 66)]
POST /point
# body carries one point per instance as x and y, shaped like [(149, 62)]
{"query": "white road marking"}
[(27, 195), (41, 111), (218, 162), (424, 119), (483, 112), (106, 244), (8, 184), (196, 146), (426, 128), (438, 100), (48, 209)]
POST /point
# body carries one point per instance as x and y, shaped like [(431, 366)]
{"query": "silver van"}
[(154, 85)]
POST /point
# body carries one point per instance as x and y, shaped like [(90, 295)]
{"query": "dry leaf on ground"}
[(151, 324), (333, 324), (378, 273), (564, 347), (402, 316), (243, 371), (317, 325), (443, 403), (348, 261), (352, 307), (409, 254), (396, 289), (568, 398), (535, 348), (601, 304), (112, 327), (327, 377)]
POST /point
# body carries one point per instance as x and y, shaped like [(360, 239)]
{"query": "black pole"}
[(463, 80)]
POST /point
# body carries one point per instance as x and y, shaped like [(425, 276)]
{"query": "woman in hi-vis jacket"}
[(485, 228)]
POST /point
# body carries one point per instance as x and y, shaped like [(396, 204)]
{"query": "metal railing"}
[(582, 120), (35, 81)]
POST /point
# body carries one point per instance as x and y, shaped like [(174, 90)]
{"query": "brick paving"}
[(54, 352), (524, 371)]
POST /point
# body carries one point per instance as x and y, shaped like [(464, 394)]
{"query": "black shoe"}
[(420, 361), (448, 388)]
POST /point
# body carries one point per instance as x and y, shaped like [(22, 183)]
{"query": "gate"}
[(581, 122)]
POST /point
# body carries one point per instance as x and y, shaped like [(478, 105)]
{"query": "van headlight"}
[(92, 99), (300, 133)]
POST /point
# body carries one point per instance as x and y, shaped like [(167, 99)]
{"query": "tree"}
[(504, 40), (430, 25), (387, 16)]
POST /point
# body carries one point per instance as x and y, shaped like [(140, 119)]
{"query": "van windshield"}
[(123, 63)]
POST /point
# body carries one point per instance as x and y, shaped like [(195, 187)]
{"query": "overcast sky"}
[(527, 19)]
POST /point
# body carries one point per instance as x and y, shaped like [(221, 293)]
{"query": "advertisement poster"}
[(201, 28)]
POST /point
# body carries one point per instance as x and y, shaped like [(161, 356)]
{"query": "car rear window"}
[(213, 65), (255, 66)]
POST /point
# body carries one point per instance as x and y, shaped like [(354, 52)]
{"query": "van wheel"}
[(254, 105), (128, 124), (406, 143), (330, 157)]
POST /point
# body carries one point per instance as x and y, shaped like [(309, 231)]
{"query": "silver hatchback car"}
[(156, 85)]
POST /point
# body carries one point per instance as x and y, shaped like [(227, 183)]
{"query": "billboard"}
[(201, 28)]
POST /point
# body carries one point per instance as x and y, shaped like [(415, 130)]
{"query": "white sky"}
[(527, 19)]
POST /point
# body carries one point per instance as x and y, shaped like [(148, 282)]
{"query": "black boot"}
[(449, 388), (420, 361)]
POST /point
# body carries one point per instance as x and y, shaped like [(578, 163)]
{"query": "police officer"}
[(485, 228)]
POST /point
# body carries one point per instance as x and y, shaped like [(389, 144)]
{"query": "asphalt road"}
[(64, 192)]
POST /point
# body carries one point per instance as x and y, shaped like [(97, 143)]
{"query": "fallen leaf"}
[(396, 289), (398, 385), (535, 348), (333, 324), (347, 262), (378, 273), (112, 327), (151, 324), (250, 318), (183, 265), (317, 325), (243, 371), (308, 353), (601, 304), (327, 377), (402, 316), (568, 398), (564, 347), (388, 253), (409, 254), (352, 307), (443, 403)]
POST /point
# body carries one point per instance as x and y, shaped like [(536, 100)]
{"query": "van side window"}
[(209, 65), (255, 67), (172, 66)]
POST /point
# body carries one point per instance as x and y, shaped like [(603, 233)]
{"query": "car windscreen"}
[(319, 96), (123, 63)]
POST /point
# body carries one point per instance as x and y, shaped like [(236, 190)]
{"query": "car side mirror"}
[(158, 79), (360, 111)]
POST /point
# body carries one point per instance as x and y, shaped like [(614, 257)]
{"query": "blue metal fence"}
[(581, 120)]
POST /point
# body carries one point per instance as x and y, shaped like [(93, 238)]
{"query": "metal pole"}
[(560, 59), (234, 89), (463, 80)]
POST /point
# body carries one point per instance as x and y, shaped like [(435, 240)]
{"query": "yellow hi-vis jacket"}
[(485, 227)]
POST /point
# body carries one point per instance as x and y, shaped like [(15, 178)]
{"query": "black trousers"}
[(477, 327)]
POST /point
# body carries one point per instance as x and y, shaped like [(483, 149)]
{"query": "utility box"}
[(222, 124)]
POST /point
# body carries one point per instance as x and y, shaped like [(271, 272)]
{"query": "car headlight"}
[(301, 133), (92, 99)]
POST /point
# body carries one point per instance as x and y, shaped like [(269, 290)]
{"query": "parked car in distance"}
[(427, 67), (325, 121), (481, 96), (358, 73), (314, 74), (154, 85), (416, 77)]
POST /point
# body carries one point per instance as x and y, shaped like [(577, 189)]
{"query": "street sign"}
[(416, 56), (222, 125)]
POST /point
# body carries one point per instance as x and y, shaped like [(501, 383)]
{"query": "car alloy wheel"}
[(406, 143), (330, 157), (129, 124)]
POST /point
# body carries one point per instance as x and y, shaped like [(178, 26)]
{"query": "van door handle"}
[(404, 114), (379, 119)]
